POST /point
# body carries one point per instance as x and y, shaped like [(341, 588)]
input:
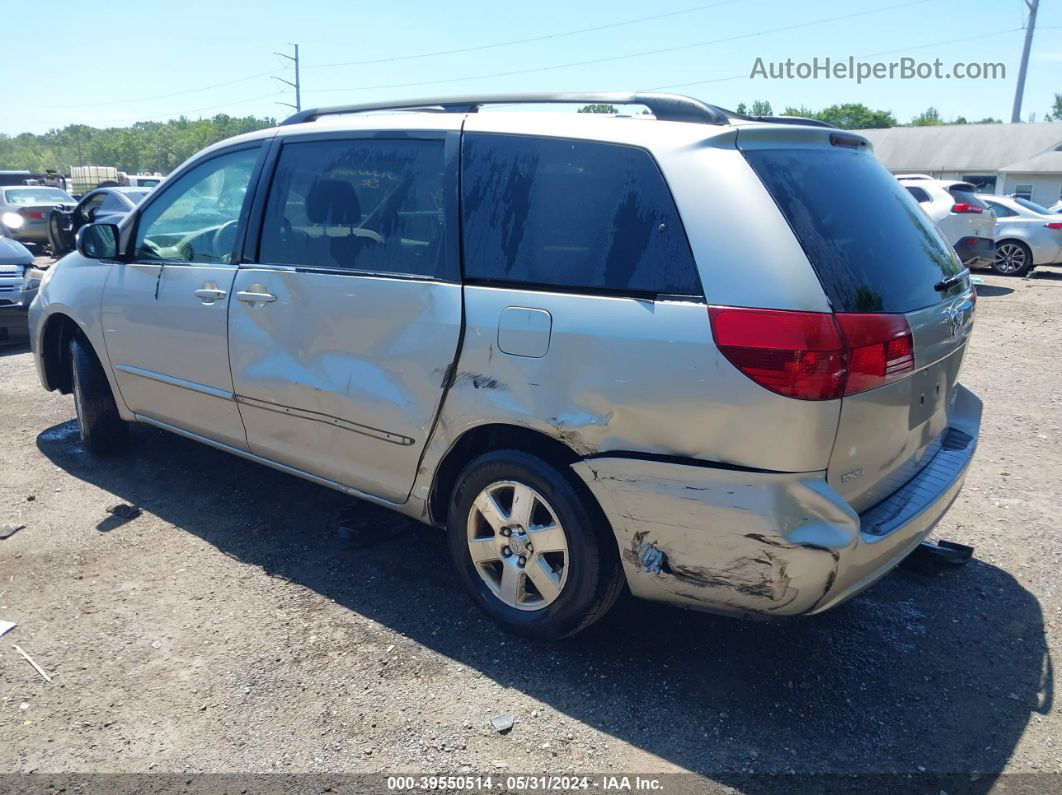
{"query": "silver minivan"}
[(710, 358)]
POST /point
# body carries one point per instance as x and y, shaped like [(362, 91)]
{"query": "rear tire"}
[(1013, 258), (562, 587), (102, 429)]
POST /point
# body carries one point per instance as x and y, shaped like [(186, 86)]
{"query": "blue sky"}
[(163, 58)]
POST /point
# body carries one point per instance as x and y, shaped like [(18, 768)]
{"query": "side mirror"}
[(98, 241)]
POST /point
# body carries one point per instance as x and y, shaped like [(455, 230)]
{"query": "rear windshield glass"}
[(1028, 205), (873, 248), (29, 196), (964, 194)]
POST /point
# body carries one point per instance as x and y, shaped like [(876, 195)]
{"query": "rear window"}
[(1030, 205), (964, 194), (576, 215), (872, 247), (31, 196), (919, 194)]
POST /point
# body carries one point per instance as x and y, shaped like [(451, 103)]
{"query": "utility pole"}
[(297, 85), (1030, 26)]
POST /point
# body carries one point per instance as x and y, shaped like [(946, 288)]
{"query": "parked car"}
[(24, 211), (1027, 235), (546, 334), (19, 281), (103, 205), (960, 215)]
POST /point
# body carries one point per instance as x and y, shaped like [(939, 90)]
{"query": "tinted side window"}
[(920, 195), (1000, 210), (112, 204), (572, 214), (367, 205)]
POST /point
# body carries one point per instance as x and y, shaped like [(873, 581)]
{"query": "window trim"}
[(128, 249), (571, 289), (451, 264)]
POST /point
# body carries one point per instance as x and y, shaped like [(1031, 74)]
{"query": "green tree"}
[(855, 116), (144, 146), (601, 107), (1055, 114), (761, 108), (742, 109), (930, 117)]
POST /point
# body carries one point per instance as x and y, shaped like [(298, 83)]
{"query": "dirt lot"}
[(232, 627)]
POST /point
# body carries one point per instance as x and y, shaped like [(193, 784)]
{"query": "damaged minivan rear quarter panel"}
[(724, 540), (628, 374)]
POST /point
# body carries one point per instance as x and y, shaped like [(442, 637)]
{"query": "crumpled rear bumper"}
[(746, 542)]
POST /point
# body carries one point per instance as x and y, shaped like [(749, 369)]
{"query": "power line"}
[(867, 55), (628, 55), (525, 41), (176, 114), (167, 96)]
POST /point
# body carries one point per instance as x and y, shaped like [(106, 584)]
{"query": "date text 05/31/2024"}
[(543, 783)]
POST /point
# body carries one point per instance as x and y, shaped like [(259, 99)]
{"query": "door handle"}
[(256, 295), (209, 293)]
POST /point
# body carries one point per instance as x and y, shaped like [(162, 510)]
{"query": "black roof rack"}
[(665, 107)]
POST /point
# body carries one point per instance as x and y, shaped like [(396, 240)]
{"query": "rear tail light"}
[(1053, 225), (964, 207), (36, 214), (814, 355)]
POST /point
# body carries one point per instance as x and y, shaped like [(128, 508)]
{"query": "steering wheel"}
[(224, 239)]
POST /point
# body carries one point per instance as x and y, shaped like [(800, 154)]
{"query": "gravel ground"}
[(234, 627)]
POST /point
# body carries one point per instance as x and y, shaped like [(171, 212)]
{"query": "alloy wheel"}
[(517, 545), (1010, 258)]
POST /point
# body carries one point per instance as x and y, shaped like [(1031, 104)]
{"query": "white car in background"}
[(1027, 234), (963, 219)]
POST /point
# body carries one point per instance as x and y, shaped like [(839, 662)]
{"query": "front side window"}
[(91, 204), (196, 219), (572, 214), (367, 205), (113, 204)]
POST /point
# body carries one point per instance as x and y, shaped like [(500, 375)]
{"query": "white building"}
[(1021, 159)]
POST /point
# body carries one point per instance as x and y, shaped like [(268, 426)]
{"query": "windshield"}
[(1028, 205), (27, 196)]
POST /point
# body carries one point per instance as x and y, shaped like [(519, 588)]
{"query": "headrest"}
[(333, 202)]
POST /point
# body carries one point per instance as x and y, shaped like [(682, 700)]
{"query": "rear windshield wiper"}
[(951, 281)]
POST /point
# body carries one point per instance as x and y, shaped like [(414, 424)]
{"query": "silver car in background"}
[(1027, 234), (24, 211), (712, 359), (959, 214)]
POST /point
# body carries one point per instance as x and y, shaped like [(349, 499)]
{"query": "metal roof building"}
[(1024, 159)]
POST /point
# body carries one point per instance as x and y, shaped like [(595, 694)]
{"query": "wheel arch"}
[(494, 436), (58, 330)]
